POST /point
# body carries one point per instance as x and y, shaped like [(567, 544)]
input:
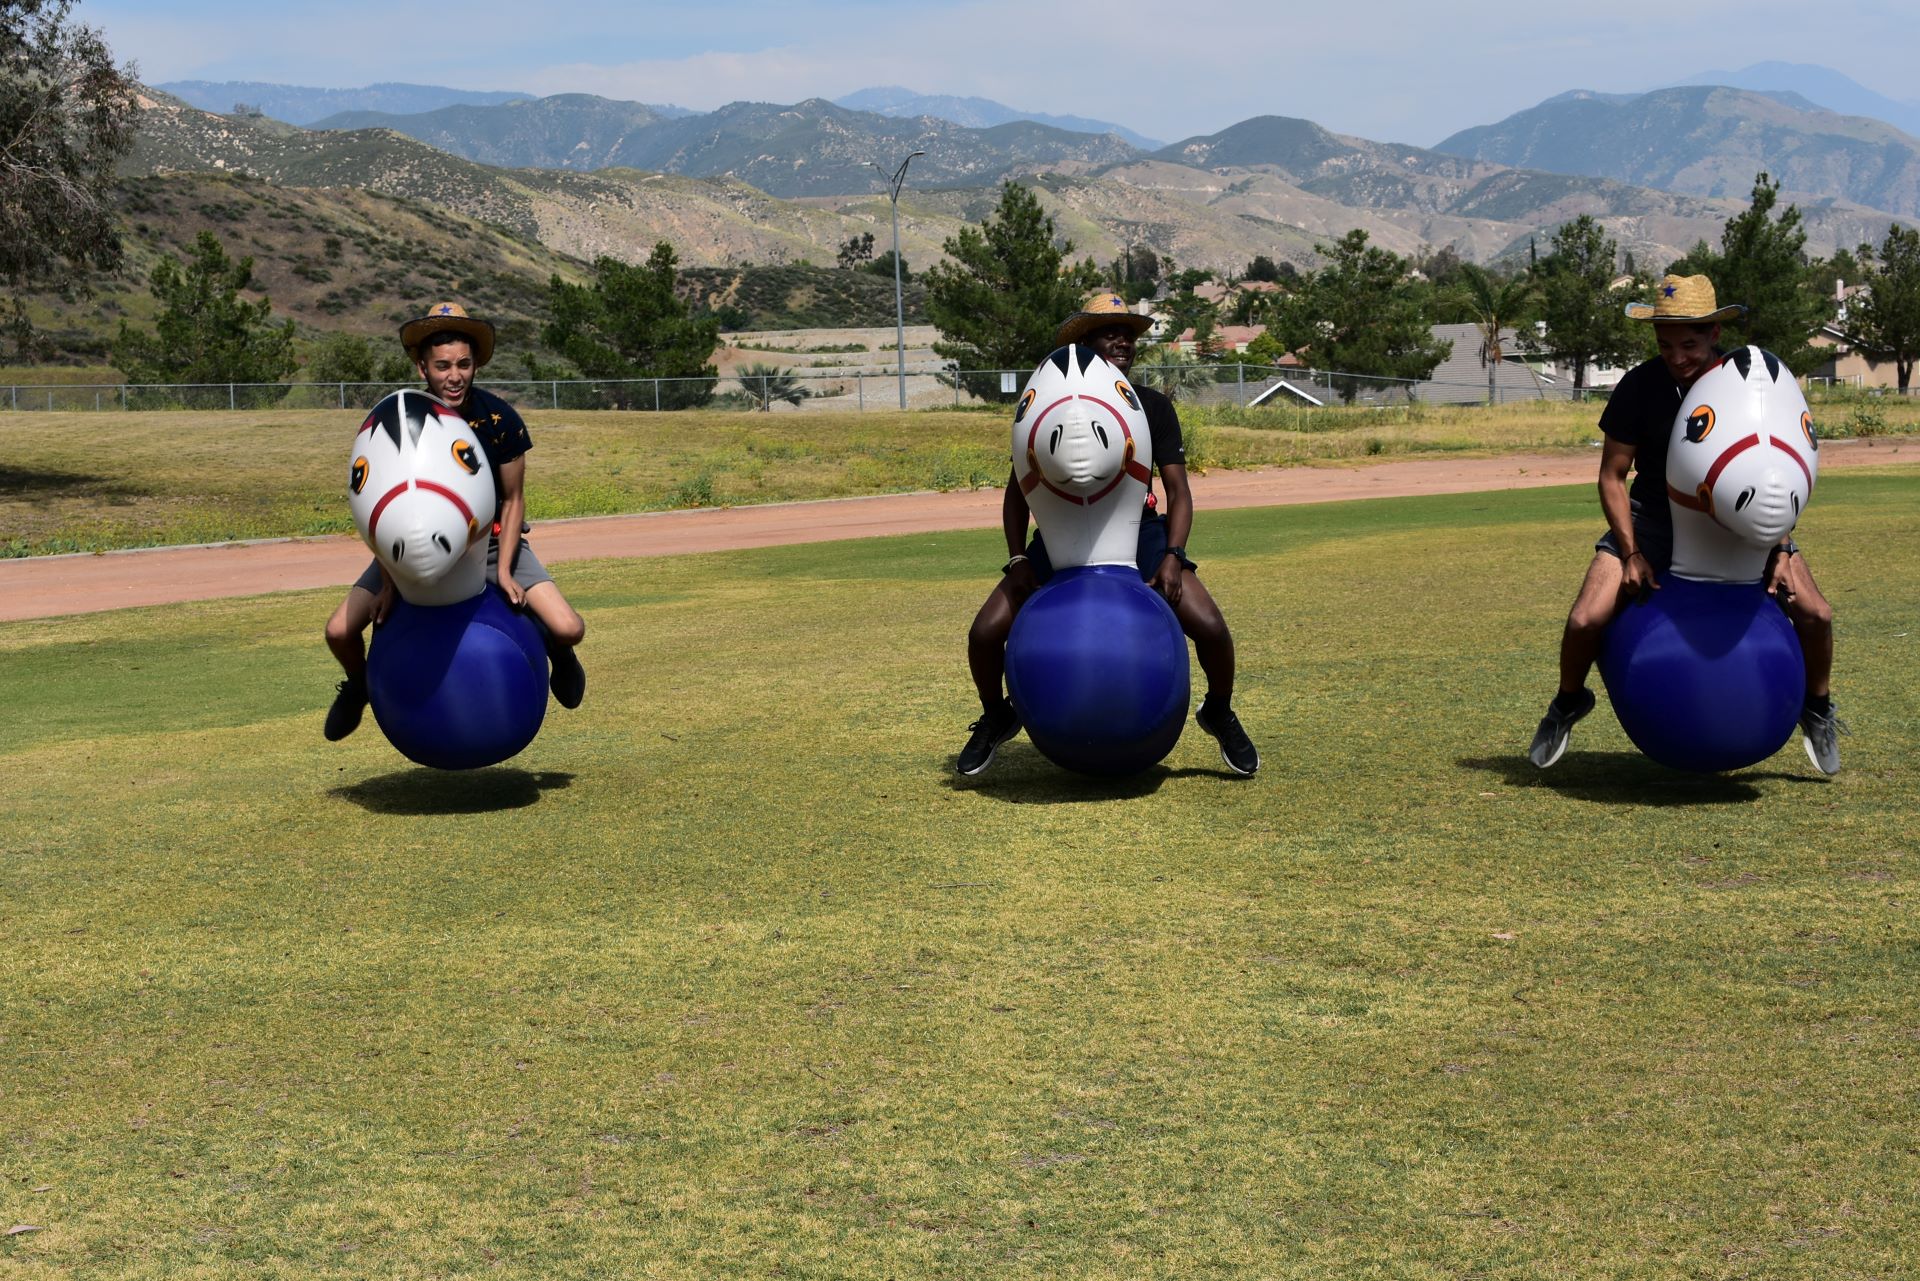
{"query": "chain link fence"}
[(924, 386)]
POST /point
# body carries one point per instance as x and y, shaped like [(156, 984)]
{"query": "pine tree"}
[(204, 331), (1005, 291), (1360, 314), (1762, 263), (629, 323), (1586, 322)]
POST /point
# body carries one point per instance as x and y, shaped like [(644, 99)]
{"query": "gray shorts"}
[(1655, 540), (527, 569)]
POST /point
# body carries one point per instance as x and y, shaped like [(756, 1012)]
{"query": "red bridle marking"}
[(1701, 500), (1794, 454)]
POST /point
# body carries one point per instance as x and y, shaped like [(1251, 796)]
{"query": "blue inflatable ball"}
[(1705, 676), (458, 686), (1097, 667)]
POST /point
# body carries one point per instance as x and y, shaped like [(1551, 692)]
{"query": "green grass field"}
[(92, 482), (726, 975), (82, 482)]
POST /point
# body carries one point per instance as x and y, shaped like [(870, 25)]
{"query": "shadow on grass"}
[(432, 791), (26, 481), (1020, 775), (1628, 778)]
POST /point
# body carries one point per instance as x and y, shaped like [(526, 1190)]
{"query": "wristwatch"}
[(1181, 552), (1013, 560)]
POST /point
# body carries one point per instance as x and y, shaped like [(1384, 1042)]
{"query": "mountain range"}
[(301, 105), (1709, 141), (790, 183), (978, 113), (1823, 85)]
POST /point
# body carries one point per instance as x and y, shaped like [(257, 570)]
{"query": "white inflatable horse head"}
[(1740, 467), (422, 498), (1082, 453)]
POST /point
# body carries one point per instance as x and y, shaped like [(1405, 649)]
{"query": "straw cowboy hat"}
[(1097, 312), (1683, 300), (449, 317)]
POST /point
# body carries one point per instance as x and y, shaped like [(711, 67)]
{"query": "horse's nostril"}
[(1100, 430), (444, 545), (399, 551), (1053, 441), (1740, 503)]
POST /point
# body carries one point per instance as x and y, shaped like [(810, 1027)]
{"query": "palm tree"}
[(1170, 371), (1496, 304), (768, 383)]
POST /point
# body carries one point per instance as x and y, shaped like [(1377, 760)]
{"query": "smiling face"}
[(1686, 349), (447, 366), (1115, 344)]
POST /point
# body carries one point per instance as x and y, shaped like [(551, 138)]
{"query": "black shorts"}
[(1148, 553)]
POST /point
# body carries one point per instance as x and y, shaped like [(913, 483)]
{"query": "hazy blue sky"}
[(1391, 70)]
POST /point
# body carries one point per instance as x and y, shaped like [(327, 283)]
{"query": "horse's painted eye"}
[(1100, 430), (358, 481), (463, 453), (1700, 424), (1806, 429)]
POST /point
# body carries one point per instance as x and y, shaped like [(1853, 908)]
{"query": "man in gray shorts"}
[(1638, 544), (448, 347)]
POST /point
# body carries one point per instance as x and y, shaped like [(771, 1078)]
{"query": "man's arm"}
[(1168, 574), (1616, 461), (513, 508)]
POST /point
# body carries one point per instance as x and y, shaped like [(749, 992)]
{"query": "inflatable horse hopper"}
[(422, 497)]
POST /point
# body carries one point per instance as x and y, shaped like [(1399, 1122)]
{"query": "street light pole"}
[(899, 304)]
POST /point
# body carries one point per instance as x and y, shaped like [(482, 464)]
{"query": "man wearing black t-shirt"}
[(1106, 325), (1637, 424), (448, 348)]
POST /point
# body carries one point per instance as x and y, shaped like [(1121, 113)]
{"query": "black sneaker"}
[(1236, 749), (992, 729), (569, 680), (1550, 740), (349, 700)]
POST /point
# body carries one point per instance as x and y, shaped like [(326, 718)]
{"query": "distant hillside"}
[(1295, 173), (1269, 186), (795, 297), (978, 113), (1822, 85), (807, 149), (332, 259), (1709, 141), (568, 131), (613, 211), (299, 105)]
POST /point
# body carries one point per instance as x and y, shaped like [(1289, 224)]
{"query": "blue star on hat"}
[(1668, 291)]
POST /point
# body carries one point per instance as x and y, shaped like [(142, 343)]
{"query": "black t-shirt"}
[(1169, 448), (502, 431), (1640, 413)]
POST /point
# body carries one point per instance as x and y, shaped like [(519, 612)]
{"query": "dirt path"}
[(47, 586)]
